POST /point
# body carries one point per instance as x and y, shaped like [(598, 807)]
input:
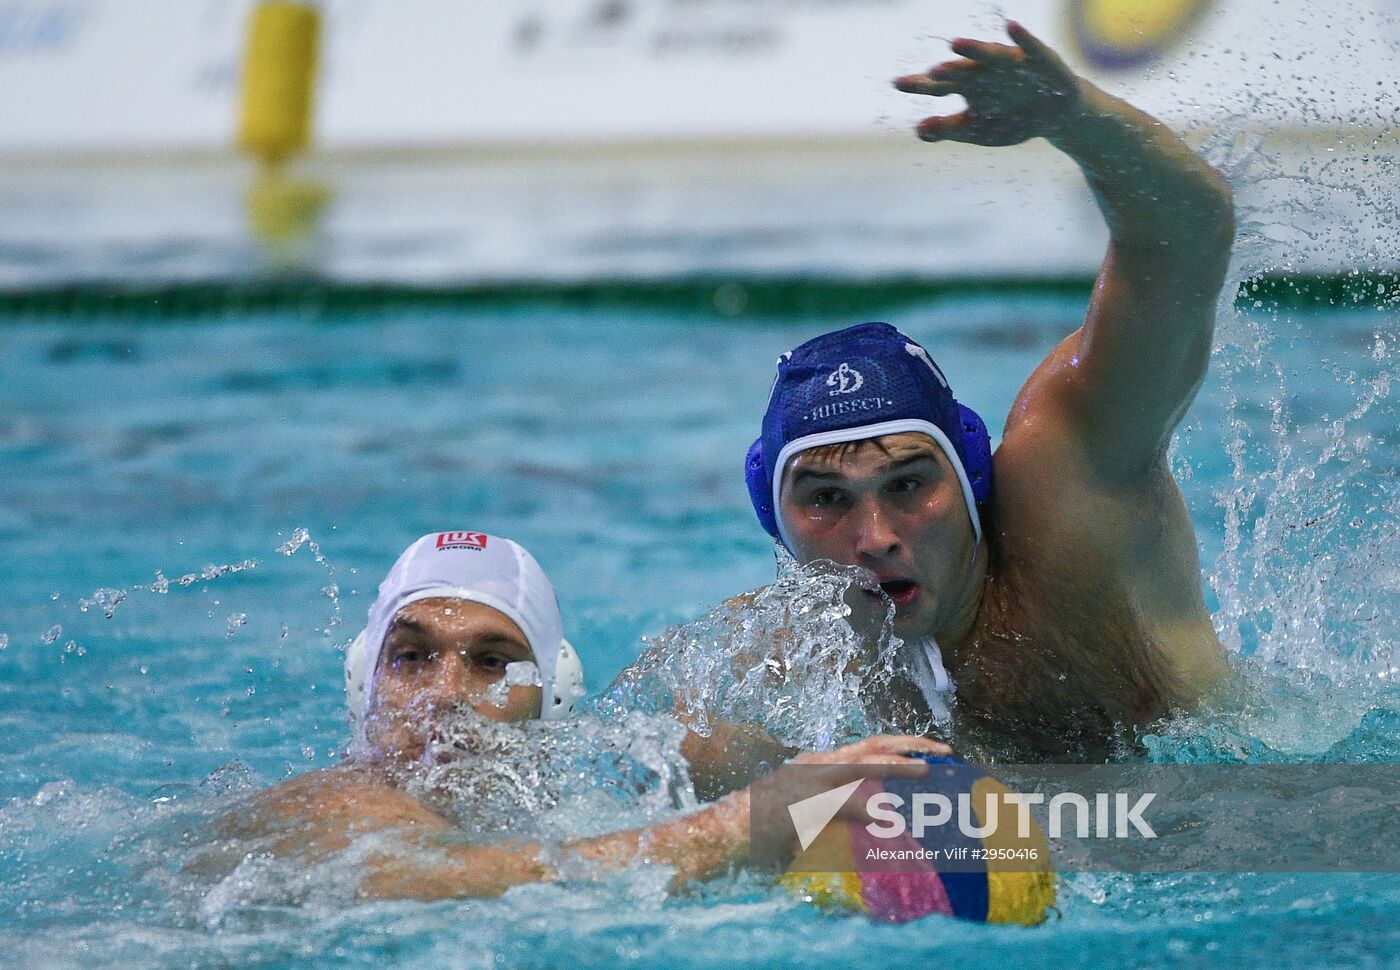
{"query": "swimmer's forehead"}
[(884, 452), (457, 619)]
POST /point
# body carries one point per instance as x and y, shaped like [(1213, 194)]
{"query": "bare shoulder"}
[(1051, 493), (1102, 565), (309, 818), (1055, 514), (328, 809)]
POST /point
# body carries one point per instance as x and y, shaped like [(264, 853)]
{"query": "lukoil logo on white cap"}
[(462, 540)]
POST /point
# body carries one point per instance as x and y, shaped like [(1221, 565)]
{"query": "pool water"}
[(231, 492)]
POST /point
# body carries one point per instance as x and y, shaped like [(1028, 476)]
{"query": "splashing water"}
[(1310, 520), (207, 573), (789, 659), (547, 783), (302, 537), (1308, 508), (535, 779), (522, 673), (106, 599)]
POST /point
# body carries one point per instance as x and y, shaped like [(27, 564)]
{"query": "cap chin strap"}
[(932, 677), (568, 684), (900, 426)]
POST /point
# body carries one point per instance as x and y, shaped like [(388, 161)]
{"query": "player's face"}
[(893, 505), (440, 655)]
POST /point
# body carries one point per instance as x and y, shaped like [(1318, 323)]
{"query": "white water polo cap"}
[(479, 568)]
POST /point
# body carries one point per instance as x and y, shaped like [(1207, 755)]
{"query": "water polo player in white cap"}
[(458, 613), (459, 617)]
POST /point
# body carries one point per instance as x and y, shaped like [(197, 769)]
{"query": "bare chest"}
[(1082, 637)]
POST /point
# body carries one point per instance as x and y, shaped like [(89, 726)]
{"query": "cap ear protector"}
[(977, 446), (976, 442), (760, 485), (356, 670), (568, 685)]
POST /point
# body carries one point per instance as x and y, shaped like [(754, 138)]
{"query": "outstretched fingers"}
[(946, 127), (951, 77), (909, 745), (923, 84), (1029, 42), (1014, 92), (982, 51)]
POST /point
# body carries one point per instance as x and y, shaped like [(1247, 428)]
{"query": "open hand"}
[(879, 756), (900, 753), (1013, 93), (771, 829)]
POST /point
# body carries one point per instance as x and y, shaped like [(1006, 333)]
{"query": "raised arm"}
[(1124, 380)]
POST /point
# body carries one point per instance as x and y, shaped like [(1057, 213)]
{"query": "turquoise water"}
[(609, 443)]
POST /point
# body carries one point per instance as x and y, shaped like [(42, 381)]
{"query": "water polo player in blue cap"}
[(1055, 584), (466, 634)]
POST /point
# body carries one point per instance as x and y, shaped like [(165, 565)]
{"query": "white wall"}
[(162, 75)]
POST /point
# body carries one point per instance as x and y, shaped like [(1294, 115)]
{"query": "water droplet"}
[(106, 599), (299, 538), (236, 620), (520, 673), (52, 634)]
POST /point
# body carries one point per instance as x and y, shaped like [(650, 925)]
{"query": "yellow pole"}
[(279, 80), (279, 92)]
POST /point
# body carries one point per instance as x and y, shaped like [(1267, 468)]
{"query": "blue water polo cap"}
[(863, 382)]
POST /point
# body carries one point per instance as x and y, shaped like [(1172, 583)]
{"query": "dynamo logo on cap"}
[(845, 379)]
